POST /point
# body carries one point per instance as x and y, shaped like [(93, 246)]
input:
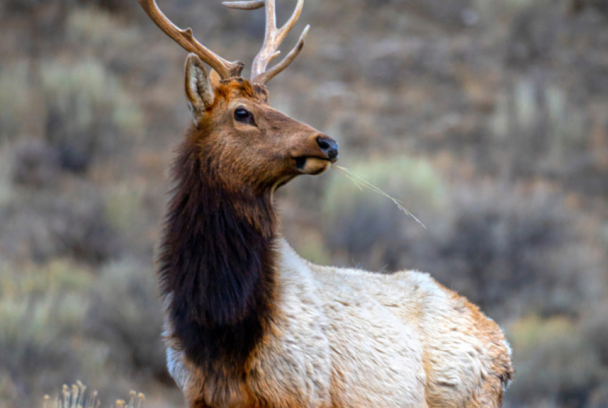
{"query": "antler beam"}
[(226, 69)]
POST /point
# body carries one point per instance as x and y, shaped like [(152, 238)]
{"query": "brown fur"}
[(216, 261), (220, 277)]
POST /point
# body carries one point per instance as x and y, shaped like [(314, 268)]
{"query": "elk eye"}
[(243, 115)]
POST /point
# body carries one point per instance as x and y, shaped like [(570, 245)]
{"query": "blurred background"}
[(487, 118)]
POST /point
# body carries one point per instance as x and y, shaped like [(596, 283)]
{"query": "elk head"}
[(242, 139)]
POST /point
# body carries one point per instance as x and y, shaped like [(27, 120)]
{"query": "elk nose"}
[(329, 147)]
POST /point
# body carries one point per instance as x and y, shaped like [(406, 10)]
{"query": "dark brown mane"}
[(216, 262)]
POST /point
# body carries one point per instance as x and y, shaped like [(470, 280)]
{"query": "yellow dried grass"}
[(76, 397)]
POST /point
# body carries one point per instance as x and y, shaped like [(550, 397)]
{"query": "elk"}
[(249, 323)]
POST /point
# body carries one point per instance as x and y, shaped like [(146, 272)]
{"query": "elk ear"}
[(199, 90)]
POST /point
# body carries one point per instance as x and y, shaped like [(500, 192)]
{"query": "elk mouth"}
[(312, 165)]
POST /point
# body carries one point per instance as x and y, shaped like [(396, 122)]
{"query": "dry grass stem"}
[(360, 183), (75, 397)]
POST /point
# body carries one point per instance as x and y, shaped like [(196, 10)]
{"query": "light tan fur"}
[(352, 338)]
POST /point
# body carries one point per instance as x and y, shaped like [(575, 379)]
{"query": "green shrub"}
[(42, 225), (92, 32), (554, 363), (125, 314), (59, 321), (34, 164), (42, 312), (515, 251), (546, 133), (595, 328), (368, 228), (23, 6), (27, 7), (14, 92), (123, 207), (88, 112)]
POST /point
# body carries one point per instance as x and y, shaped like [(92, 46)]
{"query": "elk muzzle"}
[(321, 152)]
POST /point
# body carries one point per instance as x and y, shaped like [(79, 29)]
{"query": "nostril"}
[(328, 146), (323, 143)]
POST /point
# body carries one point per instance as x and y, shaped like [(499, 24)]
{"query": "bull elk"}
[(250, 324)]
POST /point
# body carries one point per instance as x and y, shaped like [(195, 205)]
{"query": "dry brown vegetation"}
[(489, 119), (77, 396)]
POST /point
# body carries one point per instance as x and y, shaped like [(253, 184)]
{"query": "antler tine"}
[(266, 76), (226, 69), (283, 31), (244, 5), (272, 40)]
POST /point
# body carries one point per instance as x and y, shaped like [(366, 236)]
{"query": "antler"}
[(273, 38), (244, 5), (226, 69)]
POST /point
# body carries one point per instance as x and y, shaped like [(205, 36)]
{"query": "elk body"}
[(250, 324)]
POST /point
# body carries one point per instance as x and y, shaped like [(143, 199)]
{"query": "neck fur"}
[(217, 263)]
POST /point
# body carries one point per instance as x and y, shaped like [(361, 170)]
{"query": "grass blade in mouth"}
[(360, 183)]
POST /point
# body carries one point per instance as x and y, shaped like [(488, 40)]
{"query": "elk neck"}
[(217, 263)]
